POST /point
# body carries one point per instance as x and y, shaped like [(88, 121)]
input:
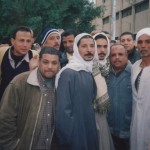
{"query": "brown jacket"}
[(19, 111)]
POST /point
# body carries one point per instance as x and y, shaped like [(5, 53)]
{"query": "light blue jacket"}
[(120, 93)]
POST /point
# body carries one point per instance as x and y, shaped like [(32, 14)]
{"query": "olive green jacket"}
[(19, 111)]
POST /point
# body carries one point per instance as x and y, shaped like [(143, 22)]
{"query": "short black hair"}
[(127, 33), (69, 32), (21, 28), (113, 41), (100, 36), (49, 50), (106, 32)]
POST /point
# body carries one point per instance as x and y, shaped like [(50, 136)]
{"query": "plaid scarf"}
[(101, 103)]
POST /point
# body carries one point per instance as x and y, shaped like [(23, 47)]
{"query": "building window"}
[(106, 20), (126, 12), (142, 6), (117, 16)]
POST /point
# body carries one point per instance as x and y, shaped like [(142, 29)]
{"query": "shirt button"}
[(48, 115), (47, 140), (45, 94), (48, 102)]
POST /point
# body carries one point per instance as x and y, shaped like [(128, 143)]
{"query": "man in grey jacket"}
[(28, 106)]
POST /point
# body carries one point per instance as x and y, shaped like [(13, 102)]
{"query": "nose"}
[(49, 65), (25, 43), (57, 40), (68, 44), (102, 49), (143, 44), (89, 49), (117, 56)]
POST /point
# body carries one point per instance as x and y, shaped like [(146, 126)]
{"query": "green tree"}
[(39, 14)]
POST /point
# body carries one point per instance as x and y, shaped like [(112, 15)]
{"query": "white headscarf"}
[(77, 63), (103, 62), (143, 31)]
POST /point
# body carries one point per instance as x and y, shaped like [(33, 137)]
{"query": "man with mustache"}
[(49, 38), (120, 94), (76, 91), (27, 110), (103, 50), (68, 37), (140, 127)]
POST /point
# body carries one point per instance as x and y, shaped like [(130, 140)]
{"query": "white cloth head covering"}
[(77, 63), (143, 31), (103, 62)]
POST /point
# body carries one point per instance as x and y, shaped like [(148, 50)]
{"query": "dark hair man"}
[(15, 59), (127, 39), (68, 37), (28, 106)]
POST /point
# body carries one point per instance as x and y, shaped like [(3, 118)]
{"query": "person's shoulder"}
[(21, 78), (3, 49), (34, 52), (68, 72), (137, 63)]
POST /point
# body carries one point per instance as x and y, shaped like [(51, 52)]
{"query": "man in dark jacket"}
[(15, 59), (76, 91), (27, 109), (127, 40)]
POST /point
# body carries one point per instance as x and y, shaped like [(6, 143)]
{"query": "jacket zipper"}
[(36, 122), (16, 144)]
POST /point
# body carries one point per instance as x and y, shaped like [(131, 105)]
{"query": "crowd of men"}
[(75, 91)]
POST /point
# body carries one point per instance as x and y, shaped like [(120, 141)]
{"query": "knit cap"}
[(46, 33)]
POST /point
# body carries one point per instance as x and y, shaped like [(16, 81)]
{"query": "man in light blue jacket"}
[(120, 93)]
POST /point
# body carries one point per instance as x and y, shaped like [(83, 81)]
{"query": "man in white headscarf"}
[(140, 125), (76, 91), (103, 49)]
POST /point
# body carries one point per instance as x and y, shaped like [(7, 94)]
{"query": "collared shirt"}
[(12, 62), (45, 125)]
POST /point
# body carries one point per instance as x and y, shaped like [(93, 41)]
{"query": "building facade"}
[(131, 15)]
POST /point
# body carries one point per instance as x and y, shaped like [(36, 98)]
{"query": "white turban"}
[(143, 31)]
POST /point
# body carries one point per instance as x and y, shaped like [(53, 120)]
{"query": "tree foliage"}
[(39, 14)]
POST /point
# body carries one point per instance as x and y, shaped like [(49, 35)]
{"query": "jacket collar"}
[(32, 79)]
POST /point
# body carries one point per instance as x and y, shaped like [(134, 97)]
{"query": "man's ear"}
[(12, 40)]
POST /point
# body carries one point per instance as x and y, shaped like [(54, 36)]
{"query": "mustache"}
[(57, 45), (101, 54), (117, 61), (89, 54), (143, 50)]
